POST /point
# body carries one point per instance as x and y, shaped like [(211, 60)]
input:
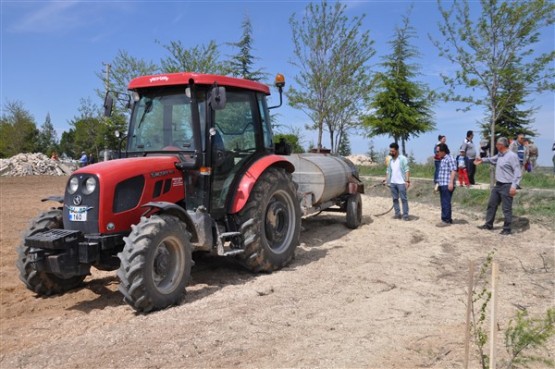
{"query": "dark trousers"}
[(500, 195), (436, 171), (471, 170), (445, 198)]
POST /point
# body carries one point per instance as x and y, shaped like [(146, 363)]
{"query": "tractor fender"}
[(164, 207), (250, 177)]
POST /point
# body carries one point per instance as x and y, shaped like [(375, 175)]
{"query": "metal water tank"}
[(324, 176)]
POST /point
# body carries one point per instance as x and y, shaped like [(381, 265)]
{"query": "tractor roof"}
[(183, 78)]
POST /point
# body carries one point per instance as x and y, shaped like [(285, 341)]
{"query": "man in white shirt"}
[(398, 178)]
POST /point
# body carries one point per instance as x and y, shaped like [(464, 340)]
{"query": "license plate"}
[(78, 213)]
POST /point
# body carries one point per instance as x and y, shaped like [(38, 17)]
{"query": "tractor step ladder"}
[(228, 236)]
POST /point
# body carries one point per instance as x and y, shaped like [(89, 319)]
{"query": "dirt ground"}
[(390, 294)]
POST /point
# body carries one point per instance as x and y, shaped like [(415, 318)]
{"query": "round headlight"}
[(90, 186), (73, 185)]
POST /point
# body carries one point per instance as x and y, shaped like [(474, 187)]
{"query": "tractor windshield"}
[(162, 121)]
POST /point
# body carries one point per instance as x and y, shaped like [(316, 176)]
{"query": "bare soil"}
[(390, 294)]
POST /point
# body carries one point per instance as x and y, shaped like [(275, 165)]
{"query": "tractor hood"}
[(119, 169)]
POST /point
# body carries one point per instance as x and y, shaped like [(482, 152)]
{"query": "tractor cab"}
[(215, 125)]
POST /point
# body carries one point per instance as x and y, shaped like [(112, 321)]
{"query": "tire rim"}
[(167, 270), (279, 221)]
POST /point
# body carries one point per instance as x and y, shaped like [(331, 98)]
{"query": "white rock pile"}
[(36, 164), (362, 160)]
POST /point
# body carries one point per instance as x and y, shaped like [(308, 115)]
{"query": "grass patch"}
[(536, 179), (536, 205)]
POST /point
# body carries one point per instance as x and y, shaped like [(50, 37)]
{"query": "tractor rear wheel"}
[(155, 263), (354, 211), (44, 283), (270, 222)]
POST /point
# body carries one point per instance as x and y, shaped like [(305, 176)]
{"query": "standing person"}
[(83, 160), (461, 166), (532, 154), (507, 176), (518, 147), (398, 178), (91, 159), (446, 181), (470, 152), (484, 147), (440, 139)]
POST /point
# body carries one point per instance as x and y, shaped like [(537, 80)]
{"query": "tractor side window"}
[(265, 121), (235, 123), (233, 144)]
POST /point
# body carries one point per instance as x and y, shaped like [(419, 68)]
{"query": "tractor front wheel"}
[(44, 283), (270, 222), (155, 263)]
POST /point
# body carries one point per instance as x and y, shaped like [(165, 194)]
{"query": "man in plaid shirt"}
[(446, 182)]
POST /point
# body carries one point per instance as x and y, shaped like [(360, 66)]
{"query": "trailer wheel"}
[(354, 211), (155, 263), (43, 283), (270, 222)]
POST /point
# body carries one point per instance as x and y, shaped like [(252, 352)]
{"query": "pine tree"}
[(47, 139), (241, 64), (344, 146), (402, 107)]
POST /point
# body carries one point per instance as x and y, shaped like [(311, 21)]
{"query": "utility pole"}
[(107, 87)]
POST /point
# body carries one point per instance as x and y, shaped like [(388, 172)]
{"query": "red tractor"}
[(200, 173)]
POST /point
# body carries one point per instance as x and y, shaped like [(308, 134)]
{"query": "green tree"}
[(47, 138), (89, 129), (292, 140), (67, 144), (331, 53), (200, 59), (18, 130), (490, 47), (401, 108), (241, 64), (344, 146), (513, 119)]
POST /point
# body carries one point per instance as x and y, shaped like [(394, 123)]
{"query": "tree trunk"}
[(492, 149)]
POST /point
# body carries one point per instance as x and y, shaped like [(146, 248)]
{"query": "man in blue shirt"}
[(507, 177), (446, 182), (83, 160)]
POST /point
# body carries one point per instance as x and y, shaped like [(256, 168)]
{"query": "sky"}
[(52, 51)]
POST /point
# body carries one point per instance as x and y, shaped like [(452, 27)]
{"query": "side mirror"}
[(108, 104), (217, 98)]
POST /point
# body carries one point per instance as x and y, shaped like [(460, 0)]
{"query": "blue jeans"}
[(399, 190), (445, 197)]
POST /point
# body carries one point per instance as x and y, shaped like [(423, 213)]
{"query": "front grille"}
[(89, 203), (128, 193)]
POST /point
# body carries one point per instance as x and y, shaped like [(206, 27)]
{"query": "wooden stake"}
[(469, 307), (493, 328)]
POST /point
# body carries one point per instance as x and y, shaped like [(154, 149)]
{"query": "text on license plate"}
[(78, 213)]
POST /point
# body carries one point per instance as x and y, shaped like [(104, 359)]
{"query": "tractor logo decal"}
[(177, 182), (159, 79), (162, 173), (77, 200)]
